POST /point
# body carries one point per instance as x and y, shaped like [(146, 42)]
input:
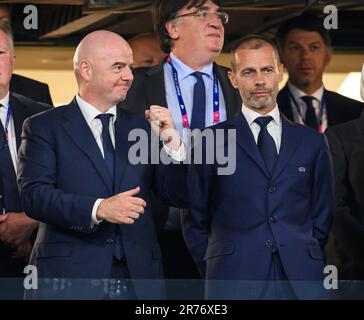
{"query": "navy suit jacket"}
[(339, 108), (61, 175), (22, 108), (345, 247), (235, 220)]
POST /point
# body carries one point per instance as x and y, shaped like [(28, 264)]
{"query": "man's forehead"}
[(299, 35), (201, 4)]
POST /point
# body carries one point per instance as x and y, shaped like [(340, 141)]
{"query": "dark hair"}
[(307, 22), (166, 10), (252, 41)]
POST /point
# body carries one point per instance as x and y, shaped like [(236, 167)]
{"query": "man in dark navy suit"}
[(267, 223), (78, 177), (15, 227)]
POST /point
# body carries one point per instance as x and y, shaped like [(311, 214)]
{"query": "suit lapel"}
[(232, 102), (76, 127), (331, 109), (284, 103), (122, 129), (245, 140), (291, 139), (154, 86), (19, 113)]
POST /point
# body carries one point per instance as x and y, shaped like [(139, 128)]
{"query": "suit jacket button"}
[(110, 241), (272, 189), (273, 219), (268, 244)]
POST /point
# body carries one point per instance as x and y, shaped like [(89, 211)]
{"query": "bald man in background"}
[(76, 177), (146, 50)]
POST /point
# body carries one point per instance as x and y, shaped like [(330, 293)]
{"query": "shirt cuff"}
[(95, 221), (178, 155)]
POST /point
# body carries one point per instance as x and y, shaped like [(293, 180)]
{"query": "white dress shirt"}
[(11, 130), (274, 127), (187, 83), (299, 116), (90, 113)]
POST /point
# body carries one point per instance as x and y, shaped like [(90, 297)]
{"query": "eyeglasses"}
[(204, 14)]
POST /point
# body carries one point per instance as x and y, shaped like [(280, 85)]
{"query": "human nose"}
[(305, 53), (128, 74), (214, 19), (259, 79)]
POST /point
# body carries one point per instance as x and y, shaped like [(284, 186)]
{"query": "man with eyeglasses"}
[(196, 91)]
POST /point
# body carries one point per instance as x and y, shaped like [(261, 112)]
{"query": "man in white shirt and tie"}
[(305, 49), (16, 228), (78, 178), (270, 228)]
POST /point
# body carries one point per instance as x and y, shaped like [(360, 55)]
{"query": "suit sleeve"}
[(37, 182), (322, 194), (346, 227), (196, 220)]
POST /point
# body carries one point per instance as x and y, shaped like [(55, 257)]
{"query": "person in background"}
[(191, 32), (305, 50), (16, 228), (33, 89), (146, 50), (344, 249)]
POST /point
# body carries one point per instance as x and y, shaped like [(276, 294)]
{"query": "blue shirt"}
[(187, 83)]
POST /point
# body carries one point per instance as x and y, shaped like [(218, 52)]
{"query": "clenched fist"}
[(162, 123)]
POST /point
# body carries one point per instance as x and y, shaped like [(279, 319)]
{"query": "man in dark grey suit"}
[(192, 34)]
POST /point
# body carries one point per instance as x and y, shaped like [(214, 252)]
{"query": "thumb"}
[(3, 217), (147, 114), (132, 192)]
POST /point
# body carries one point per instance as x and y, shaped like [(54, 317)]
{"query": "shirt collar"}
[(5, 101), (90, 112), (297, 93), (184, 70), (250, 115)]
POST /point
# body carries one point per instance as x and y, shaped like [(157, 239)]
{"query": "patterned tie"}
[(109, 152), (310, 118), (199, 103), (266, 144)]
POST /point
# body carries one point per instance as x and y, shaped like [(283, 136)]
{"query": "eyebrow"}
[(295, 42), (207, 8)]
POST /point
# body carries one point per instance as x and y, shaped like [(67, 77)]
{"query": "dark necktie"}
[(9, 199), (109, 152), (109, 157), (266, 144), (199, 103), (310, 118)]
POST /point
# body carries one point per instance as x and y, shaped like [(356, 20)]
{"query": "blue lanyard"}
[(6, 129), (321, 113), (181, 103)]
